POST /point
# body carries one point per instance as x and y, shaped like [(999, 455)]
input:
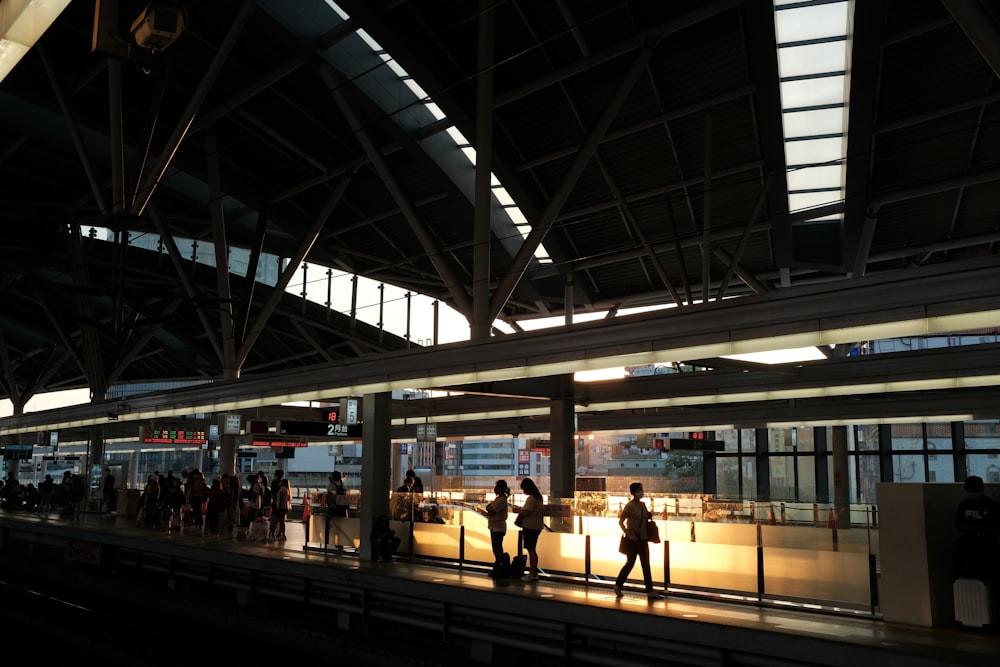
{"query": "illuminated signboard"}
[(696, 444), (232, 424), (17, 451), (263, 440), (327, 429), (172, 436)]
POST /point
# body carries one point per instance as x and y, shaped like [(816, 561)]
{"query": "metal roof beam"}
[(980, 27), (191, 110), (541, 226), (927, 292), (427, 241)]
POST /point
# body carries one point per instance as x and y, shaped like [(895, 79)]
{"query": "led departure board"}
[(273, 440), (173, 436)]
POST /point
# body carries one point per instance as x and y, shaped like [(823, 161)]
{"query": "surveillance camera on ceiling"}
[(159, 25)]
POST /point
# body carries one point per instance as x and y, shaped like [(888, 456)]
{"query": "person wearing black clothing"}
[(977, 550), (279, 475), (172, 502), (336, 495), (383, 540), (108, 493), (411, 483)]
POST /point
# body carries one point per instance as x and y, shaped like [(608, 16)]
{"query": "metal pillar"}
[(376, 454)]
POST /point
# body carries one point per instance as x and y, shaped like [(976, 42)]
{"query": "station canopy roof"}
[(640, 154)]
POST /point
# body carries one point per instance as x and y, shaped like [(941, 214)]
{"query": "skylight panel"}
[(812, 59), (813, 151), (503, 196), (807, 200), (809, 178), (812, 44), (821, 121), (815, 21), (813, 92)]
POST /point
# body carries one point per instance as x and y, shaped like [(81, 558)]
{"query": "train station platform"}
[(481, 621)]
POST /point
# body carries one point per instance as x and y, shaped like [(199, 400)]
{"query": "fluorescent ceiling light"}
[(781, 356), (929, 419), (912, 327), (22, 23), (616, 373)]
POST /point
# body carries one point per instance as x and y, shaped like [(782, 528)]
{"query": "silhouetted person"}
[(977, 550), (108, 493), (383, 540)]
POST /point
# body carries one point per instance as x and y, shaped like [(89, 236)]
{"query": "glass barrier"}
[(801, 562), (330, 531), (437, 540), (563, 552), (817, 564)]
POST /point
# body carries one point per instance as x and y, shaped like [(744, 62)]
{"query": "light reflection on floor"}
[(788, 620)]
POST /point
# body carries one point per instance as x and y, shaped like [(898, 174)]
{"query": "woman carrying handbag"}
[(633, 520)]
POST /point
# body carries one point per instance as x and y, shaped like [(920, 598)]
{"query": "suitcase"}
[(501, 568), (517, 565), (258, 530), (972, 602)]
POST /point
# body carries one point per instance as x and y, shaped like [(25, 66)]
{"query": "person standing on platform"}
[(256, 505), (633, 519), (336, 495), (78, 495), (276, 485), (231, 490), (280, 504), (108, 493), (496, 518), (197, 494), (532, 520), (47, 490), (977, 518), (151, 502), (214, 507), (265, 486)]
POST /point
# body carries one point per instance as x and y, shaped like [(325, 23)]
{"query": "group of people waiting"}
[(530, 519), (224, 505), (68, 495), (633, 519)]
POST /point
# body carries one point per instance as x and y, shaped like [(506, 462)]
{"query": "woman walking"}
[(633, 519), (532, 518)]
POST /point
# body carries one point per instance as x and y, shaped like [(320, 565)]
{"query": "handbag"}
[(652, 532), (624, 545), (519, 521)]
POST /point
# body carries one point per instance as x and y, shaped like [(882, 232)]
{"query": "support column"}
[(95, 459), (841, 477), (763, 464), (885, 473), (822, 463), (376, 449), (481, 324), (958, 457), (227, 454), (562, 473)]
